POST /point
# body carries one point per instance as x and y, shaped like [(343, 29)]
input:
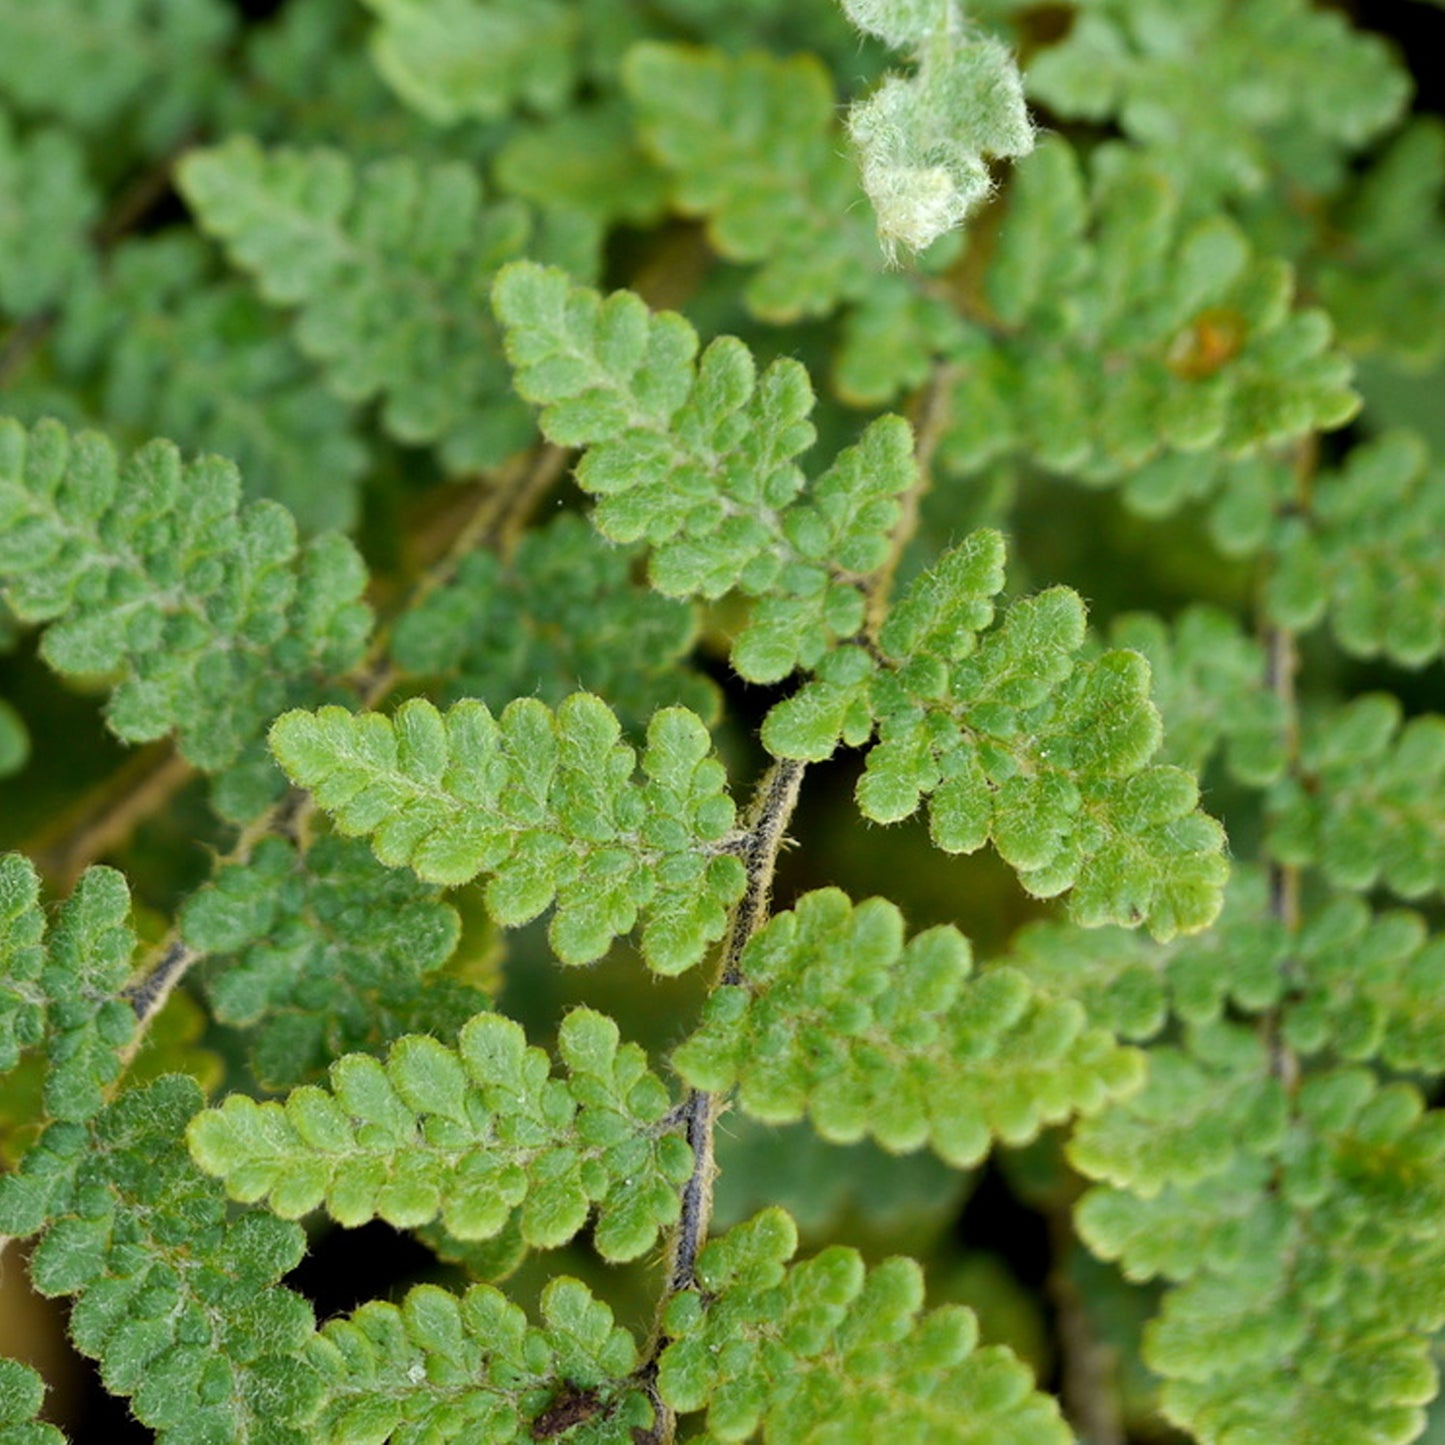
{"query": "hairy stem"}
[(767, 821)]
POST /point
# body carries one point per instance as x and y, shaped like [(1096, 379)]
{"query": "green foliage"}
[(208, 366), (1369, 988), (1205, 673), (467, 1136), (834, 1016), (1224, 94), (147, 66), (388, 267), (563, 613), (825, 1346), (548, 804), (1134, 365), (751, 144), (322, 955), (180, 1303), (47, 205), (1017, 740), (1365, 808), (698, 460), (1368, 555), (207, 610), (21, 1393), (442, 1368), (1382, 279), (60, 985), (453, 58), (1307, 1233), (1121, 328)]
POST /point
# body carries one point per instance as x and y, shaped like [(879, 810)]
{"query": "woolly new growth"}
[(924, 142)]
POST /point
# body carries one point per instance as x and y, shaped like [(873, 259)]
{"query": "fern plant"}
[(510, 469)]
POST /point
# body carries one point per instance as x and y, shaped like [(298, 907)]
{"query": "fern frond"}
[(767, 173), (449, 59), (325, 954), (1367, 556), (835, 1017), (1305, 1244), (1371, 986), (388, 266), (1366, 806), (207, 610), (1225, 97), (1205, 675), (466, 1136), (113, 65), (1015, 737), (47, 207), (1383, 279), (60, 985), (545, 803), (22, 1392), (1121, 328), (752, 144), (825, 1348), (170, 352), (441, 1367), (698, 460), (180, 1303)]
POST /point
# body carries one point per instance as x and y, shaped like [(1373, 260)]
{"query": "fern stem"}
[(768, 817)]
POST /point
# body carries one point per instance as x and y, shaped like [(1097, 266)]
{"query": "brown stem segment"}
[(766, 829)]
